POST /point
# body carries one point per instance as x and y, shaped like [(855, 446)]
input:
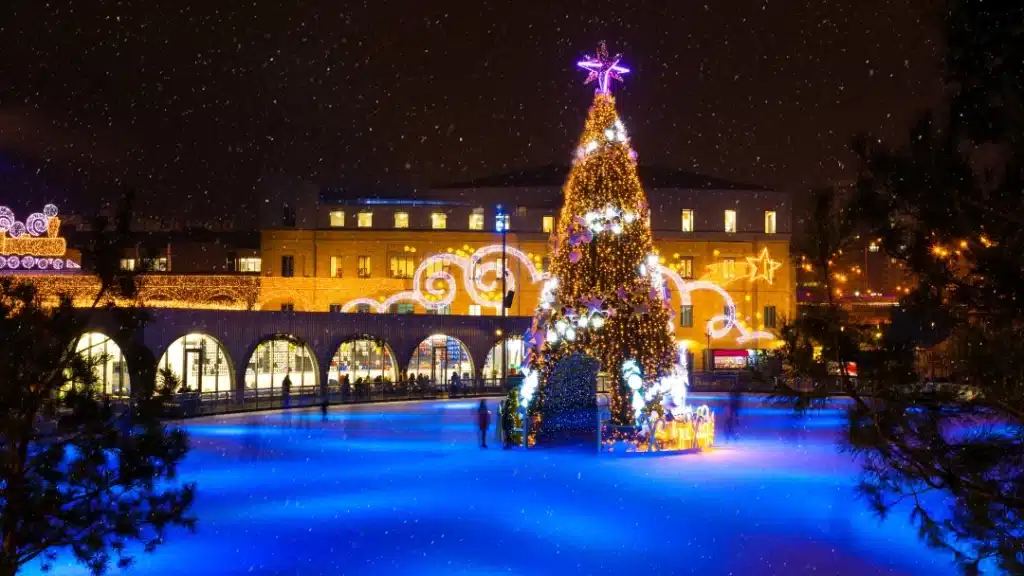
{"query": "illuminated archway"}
[(277, 358), (365, 359), (107, 362), (200, 363), (440, 356), (512, 356)]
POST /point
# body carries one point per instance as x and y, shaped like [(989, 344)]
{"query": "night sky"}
[(193, 102)]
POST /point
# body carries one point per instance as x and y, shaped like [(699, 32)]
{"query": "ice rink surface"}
[(403, 489)]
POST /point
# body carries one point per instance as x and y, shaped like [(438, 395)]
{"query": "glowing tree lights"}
[(601, 268)]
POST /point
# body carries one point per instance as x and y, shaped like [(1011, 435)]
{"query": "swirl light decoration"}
[(440, 284), (35, 238)]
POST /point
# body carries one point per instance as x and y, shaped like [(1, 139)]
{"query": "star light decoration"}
[(602, 68), (763, 267)]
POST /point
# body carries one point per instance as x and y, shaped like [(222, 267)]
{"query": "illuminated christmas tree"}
[(605, 297)]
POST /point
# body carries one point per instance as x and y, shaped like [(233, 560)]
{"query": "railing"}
[(225, 401)]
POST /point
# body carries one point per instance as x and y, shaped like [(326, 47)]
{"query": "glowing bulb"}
[(561, 326), (582, 322), (591, 146), (552, 337), (609, 134), (617, 228), (629, 217), (570, 334), (597, 322)]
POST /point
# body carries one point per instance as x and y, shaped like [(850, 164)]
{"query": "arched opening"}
[(278, 358), (363, 359), (107, 361), (440, 356), (511, 355), (200, 363)]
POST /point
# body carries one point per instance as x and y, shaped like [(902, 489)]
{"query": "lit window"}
[(335, 308), (335, 266), (769, 221), (154, 264), (686, 316), (402, 266), (476, 219), (685, 268), (127, 263), (443, 310), (364, 266), (687, 220), (520, 210), (728, 268), (438, 220), (501, 223), (337, 219), (363, 308), (436, 267), (252, 264), (549, 223), (365, 220), (405, 308), (401, 219), (873, 247), (730, 221), (474, 309)]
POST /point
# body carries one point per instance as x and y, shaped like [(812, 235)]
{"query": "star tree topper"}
[(602, 68)]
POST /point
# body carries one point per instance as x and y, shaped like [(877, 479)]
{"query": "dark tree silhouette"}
[(79, 473), (948, 206)]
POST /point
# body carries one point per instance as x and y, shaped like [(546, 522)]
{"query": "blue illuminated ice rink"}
[(403, 489)]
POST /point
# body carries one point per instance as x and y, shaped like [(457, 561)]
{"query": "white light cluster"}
[(613, 134), (31, 262), (609, 219), (547, 293), (530, 380), (631, 375)]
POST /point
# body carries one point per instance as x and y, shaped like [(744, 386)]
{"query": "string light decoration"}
[(215, 292), (35, 241), (603, 271), (433, 286)]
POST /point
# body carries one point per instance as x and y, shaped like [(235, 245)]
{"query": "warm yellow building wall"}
[(313, 289)]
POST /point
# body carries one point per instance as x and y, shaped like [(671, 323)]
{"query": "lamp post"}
[(503, 228)]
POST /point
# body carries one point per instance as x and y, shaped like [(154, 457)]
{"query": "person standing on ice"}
[(286, 388), (483, 418)]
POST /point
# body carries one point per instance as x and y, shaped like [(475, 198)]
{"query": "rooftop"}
[(554, 176)]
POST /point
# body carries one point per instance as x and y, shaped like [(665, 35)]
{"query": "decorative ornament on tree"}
[(602, 68)]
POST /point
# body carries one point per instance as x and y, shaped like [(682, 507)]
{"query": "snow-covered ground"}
[(403, 489)]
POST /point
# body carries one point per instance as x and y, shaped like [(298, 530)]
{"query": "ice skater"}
[(483, 418), (286, 389)]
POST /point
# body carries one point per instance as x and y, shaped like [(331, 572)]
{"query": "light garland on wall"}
[(437, 288)]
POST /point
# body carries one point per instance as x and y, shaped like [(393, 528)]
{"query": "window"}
[(686, 316), (335, 266), (520, 210), (287, 266), (401, 219), (363, 308), (476, 219), (402, 266), (437, 266), (127, 263), (549, 223), (545, 264), (769, 317), (474, 309), (501, 222), (438, 220), (730, 221), (685, 267), (443, 310), (335, 308), (252, 264), (873, 247), (687, 220), (337, 219), (365, 220), (769, 221), (155, 264), (728, 268), (288, 307), (364, 266), (405, 308)]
